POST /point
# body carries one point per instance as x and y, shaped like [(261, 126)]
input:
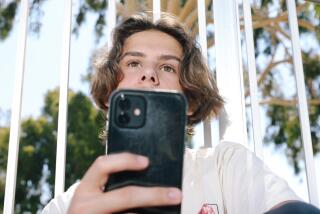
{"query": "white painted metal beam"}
[(111, 22), (303, 106), (207, 135), (14, 138), (63, 102), (255, 112), (156, 7), (232, 121)]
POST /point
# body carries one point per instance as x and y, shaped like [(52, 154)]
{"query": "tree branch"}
[(287, 103), (263, 75), (269, 68), (259, 20), (173, 7), (311, 88), (164, 5), (149, 4), (121, 9), (131, 7), (277, 27), (187, 9), (307, 25), (191, 19)]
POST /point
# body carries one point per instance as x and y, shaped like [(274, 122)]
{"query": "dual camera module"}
[(130, 111)]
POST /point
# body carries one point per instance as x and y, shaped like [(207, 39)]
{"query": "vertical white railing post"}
[(156, 7), (256, 127), (63, 102), (14, 138), (303, 107), (207, 135), (111, 22), (232, 123)]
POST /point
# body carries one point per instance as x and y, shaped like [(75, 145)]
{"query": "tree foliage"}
[(272, 51), (37, 151), (272, 42), (7, 15)]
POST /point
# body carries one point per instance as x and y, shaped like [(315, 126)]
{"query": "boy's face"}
[(151, 60)]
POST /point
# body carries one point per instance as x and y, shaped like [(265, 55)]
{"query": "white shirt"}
[(226, 179)]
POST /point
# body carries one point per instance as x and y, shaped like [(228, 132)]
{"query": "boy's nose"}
[(145, 78), (150, 76)]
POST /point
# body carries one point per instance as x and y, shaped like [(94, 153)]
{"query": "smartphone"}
[(149, 123)]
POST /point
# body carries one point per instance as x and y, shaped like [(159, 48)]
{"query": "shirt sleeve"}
[(61, 203), (248, 185)]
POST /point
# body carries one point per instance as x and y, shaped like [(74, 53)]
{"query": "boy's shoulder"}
[(218, 149)]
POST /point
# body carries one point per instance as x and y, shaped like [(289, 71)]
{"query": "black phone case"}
[(160, 138)]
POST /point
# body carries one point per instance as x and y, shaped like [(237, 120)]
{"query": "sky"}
[(43, 60), (42, 71)]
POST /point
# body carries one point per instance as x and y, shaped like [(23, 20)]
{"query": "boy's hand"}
[(89, 195)]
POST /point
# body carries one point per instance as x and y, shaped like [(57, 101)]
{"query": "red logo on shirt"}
[(209, 209)]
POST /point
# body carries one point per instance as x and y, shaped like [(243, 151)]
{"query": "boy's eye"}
[(167, 68), (134, 64)]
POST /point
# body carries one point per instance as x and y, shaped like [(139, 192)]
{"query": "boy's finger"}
[(134, 197), (103, 166)]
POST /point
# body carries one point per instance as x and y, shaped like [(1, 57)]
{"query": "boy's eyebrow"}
[(132, 53), (140, 54), (168, 56)]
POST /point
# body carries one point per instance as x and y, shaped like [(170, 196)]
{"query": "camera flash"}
[(136, 112)]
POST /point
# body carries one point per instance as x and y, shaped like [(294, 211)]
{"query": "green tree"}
[(37, 152), (4, 139), (272, 45), (7, 14), (271, 38)]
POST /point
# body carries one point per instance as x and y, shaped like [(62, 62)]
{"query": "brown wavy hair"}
[(195, 78)]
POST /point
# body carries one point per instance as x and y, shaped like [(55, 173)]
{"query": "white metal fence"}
[(232, 122)]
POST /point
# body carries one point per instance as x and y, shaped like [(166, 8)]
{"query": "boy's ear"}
[(106, 104), (190, 111)]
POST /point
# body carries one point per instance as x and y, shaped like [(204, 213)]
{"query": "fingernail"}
[(142, 160), (174, 194)]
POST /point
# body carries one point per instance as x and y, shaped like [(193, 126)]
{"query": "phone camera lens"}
[(123, 118), (124, 103)]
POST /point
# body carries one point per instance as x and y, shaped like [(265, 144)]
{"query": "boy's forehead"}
[(152, 41)]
